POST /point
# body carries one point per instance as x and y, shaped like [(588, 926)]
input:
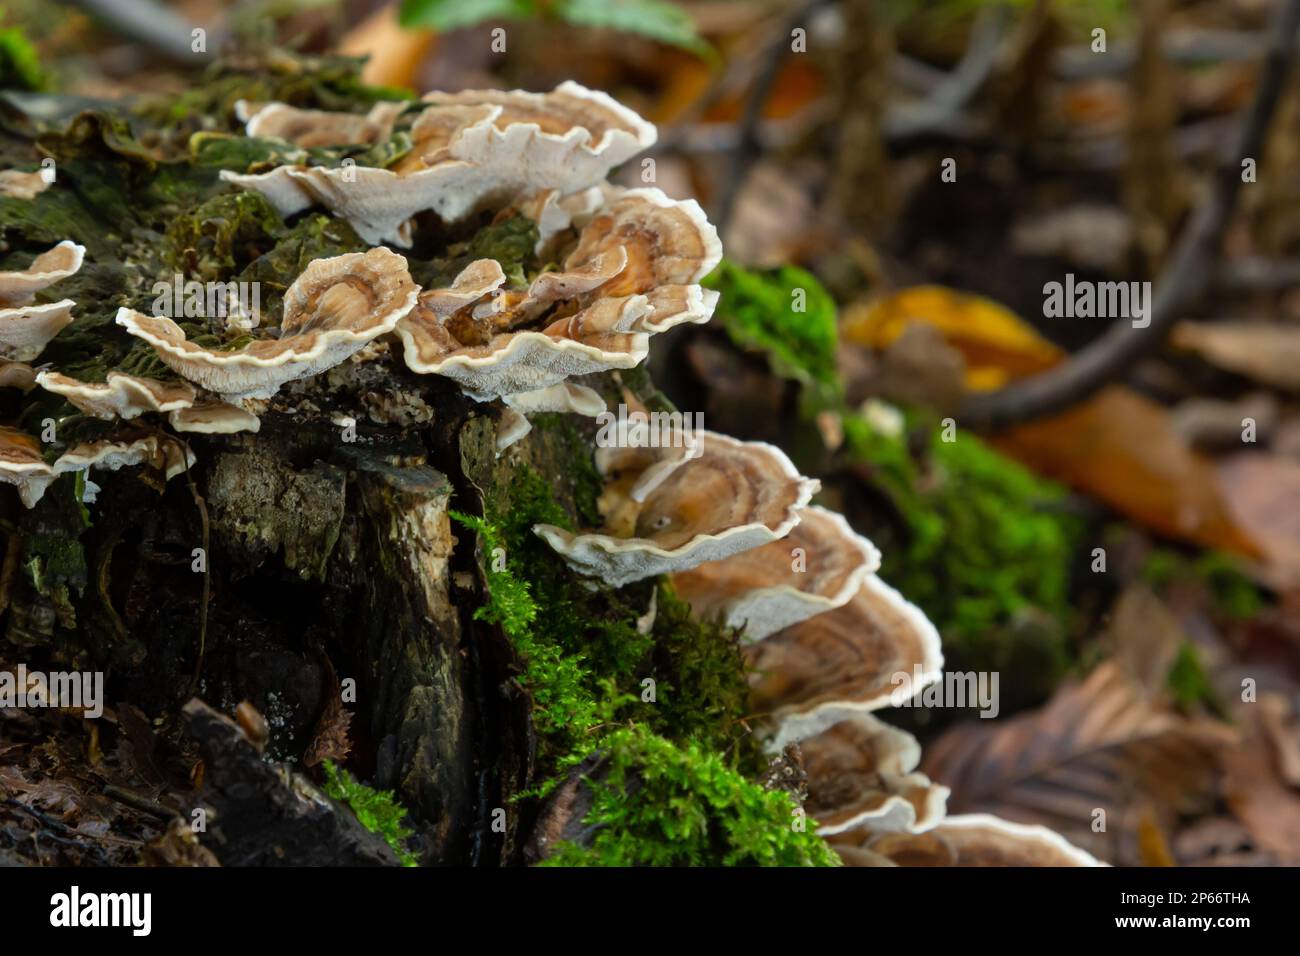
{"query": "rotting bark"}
[(289, 562), (408, 641), (261, 815)]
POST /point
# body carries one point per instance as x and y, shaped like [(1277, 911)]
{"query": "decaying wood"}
[(262, 814)]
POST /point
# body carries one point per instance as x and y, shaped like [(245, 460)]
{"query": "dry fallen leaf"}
[(395, 53), (1258, 797), (1096, 745), (1121, 448), (1261, 492), (1118, 446), (1153, 847), (1145, 637), (330, 739), (920, 367), (1282, 727), (1268, 353)]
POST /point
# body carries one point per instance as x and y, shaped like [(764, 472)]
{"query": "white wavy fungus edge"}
[(530, 360), (620, 561), (484, 161)]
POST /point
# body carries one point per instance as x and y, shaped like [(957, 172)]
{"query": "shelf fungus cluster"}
[(627, 262), (26, 328), (634, 272), (609, 268), (466, 150), (828, 643)]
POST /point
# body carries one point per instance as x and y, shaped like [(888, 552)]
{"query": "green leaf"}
[(656, 19), (450, 14)]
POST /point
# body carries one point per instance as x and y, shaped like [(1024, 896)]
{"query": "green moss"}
[(325, 82), (222, 235), (377, 810), (986, 547), (20, 66), (1190, 684), (700, 673), (510, 242), (246, 154), (786, 314), (583, 658), (54, 556), (1231, 593), (657, 803), (988, 558)]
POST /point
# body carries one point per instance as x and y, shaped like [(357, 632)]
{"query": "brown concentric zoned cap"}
[(734, 496), (632, 274), (60, 262), (819, 566), (861, 773), (313, 128), (22, 464), (469, 149), (331, 311), (850, 660)]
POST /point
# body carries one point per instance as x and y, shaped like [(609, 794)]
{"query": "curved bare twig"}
[(1185, 278)]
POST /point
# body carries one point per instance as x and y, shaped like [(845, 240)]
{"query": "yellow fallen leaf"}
[(1118, 446), (997, 344)]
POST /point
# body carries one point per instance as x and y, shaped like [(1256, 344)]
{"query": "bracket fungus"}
[(23, 465), (310, 128), (120, 395), (634, 272), (731, 497), (861, 773), (332, 310), (565, 397), (976, 839), (863, 656), (60, 262), (467, 149), (16, 184), (214, 418), (818, 567), (609, 268), (27, 327)]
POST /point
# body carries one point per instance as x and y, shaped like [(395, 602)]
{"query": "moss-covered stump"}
[(360, 574)]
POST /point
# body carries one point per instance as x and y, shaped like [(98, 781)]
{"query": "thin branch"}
[(1184, 47), (748, 146), (940, 112), (1185, 278), (943, 107), (156, 27)]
